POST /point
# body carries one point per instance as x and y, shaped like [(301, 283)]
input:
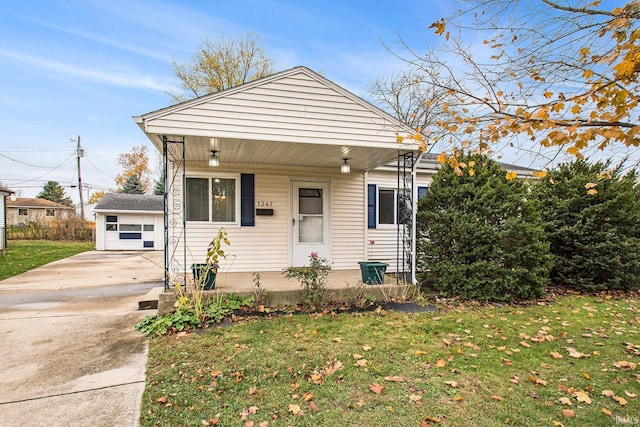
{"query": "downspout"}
[(414, 214)]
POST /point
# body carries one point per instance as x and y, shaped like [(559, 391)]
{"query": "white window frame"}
[(395, 207), (210, 177)]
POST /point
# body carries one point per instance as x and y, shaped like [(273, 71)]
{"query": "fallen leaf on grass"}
[(415, 398), (582, 397), (556, 355), (451, 384), (395, 379), (566, 401), (314, 407), (295, 409), (629, 394), (621, 400), (606, 412), (496, 397), (537, 381), (376, 388), (625, 365), (569, 413), (357, 356), (525, 344), (162, 399), (432, 419), (575, 353), (608, 393), (441, 363), (253, 409), (361, 362), (307, 396)]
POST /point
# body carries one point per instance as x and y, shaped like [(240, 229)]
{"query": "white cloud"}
[(117, 78)]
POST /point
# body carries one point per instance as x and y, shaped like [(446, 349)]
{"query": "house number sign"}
[(264, 204)]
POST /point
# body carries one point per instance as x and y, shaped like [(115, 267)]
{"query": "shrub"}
[(480, 235), (592, 220), (313, 278)]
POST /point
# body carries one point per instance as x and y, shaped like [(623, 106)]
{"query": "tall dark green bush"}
[(592, 220), (480, 235)]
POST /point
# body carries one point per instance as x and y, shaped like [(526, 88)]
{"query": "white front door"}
[(311, 221)]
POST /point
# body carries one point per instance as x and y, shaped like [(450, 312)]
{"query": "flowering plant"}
[(313, 278)]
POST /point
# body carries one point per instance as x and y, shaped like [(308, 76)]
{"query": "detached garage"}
[(129, 222)]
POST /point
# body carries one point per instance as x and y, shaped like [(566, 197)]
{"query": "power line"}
[(24, 163), (44, 174)]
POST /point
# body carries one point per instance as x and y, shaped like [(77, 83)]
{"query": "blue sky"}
[(74, 67)]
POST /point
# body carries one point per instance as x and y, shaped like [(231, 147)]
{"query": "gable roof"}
[(292, 118), (36, 203), (130, 202)]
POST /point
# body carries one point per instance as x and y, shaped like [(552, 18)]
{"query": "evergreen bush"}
[(592, 217), (480, 234)]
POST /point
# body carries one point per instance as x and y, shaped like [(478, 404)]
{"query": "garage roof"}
[(130, 202)]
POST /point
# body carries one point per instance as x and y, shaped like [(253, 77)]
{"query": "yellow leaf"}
[(586, 375), (442, 158), (548, 94), (472, 172), (510, 175), (441, 363), (540, 174), (592, 191), (590, 185), (607, 412), (399, 139), (439, 26), (556, 355)]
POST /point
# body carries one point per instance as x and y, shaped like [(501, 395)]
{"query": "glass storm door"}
[(310, 221)]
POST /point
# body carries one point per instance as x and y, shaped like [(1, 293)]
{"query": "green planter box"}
[(373, 272), (207, 273)]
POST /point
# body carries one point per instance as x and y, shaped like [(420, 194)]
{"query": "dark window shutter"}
[(247, 199), (422, 191), (371, 206)]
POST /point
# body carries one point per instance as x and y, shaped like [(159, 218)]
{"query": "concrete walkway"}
[(69, 355)]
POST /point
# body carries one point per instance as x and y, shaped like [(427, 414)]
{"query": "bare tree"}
[(220, 64)]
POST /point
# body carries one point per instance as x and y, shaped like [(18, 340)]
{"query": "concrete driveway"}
[(69, 355)]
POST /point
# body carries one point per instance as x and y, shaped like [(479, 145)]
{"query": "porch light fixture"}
[(214, 161), (345, 166)]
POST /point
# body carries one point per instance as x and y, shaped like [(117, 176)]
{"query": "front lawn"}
[(571, 362), (25, 255)]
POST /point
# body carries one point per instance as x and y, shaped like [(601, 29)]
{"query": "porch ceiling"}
[(292, 154)]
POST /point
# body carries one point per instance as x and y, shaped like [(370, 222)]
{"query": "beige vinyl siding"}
[(266, 246), (386, 236), (296, 108), (348, 221)]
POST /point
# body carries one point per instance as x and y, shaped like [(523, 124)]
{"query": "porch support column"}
[(175, 259)]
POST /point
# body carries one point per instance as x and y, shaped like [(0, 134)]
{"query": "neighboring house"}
[(289, 164), (22, 211), (4, 193), (129, 222)]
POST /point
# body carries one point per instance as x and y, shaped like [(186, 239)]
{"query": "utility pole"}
[(80, 154)]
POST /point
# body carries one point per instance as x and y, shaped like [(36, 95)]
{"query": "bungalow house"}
[(129, 222), (21, 211), (4, 193), (283, 163)]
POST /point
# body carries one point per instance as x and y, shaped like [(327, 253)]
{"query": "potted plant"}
[(373, 271), (204, 274)]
